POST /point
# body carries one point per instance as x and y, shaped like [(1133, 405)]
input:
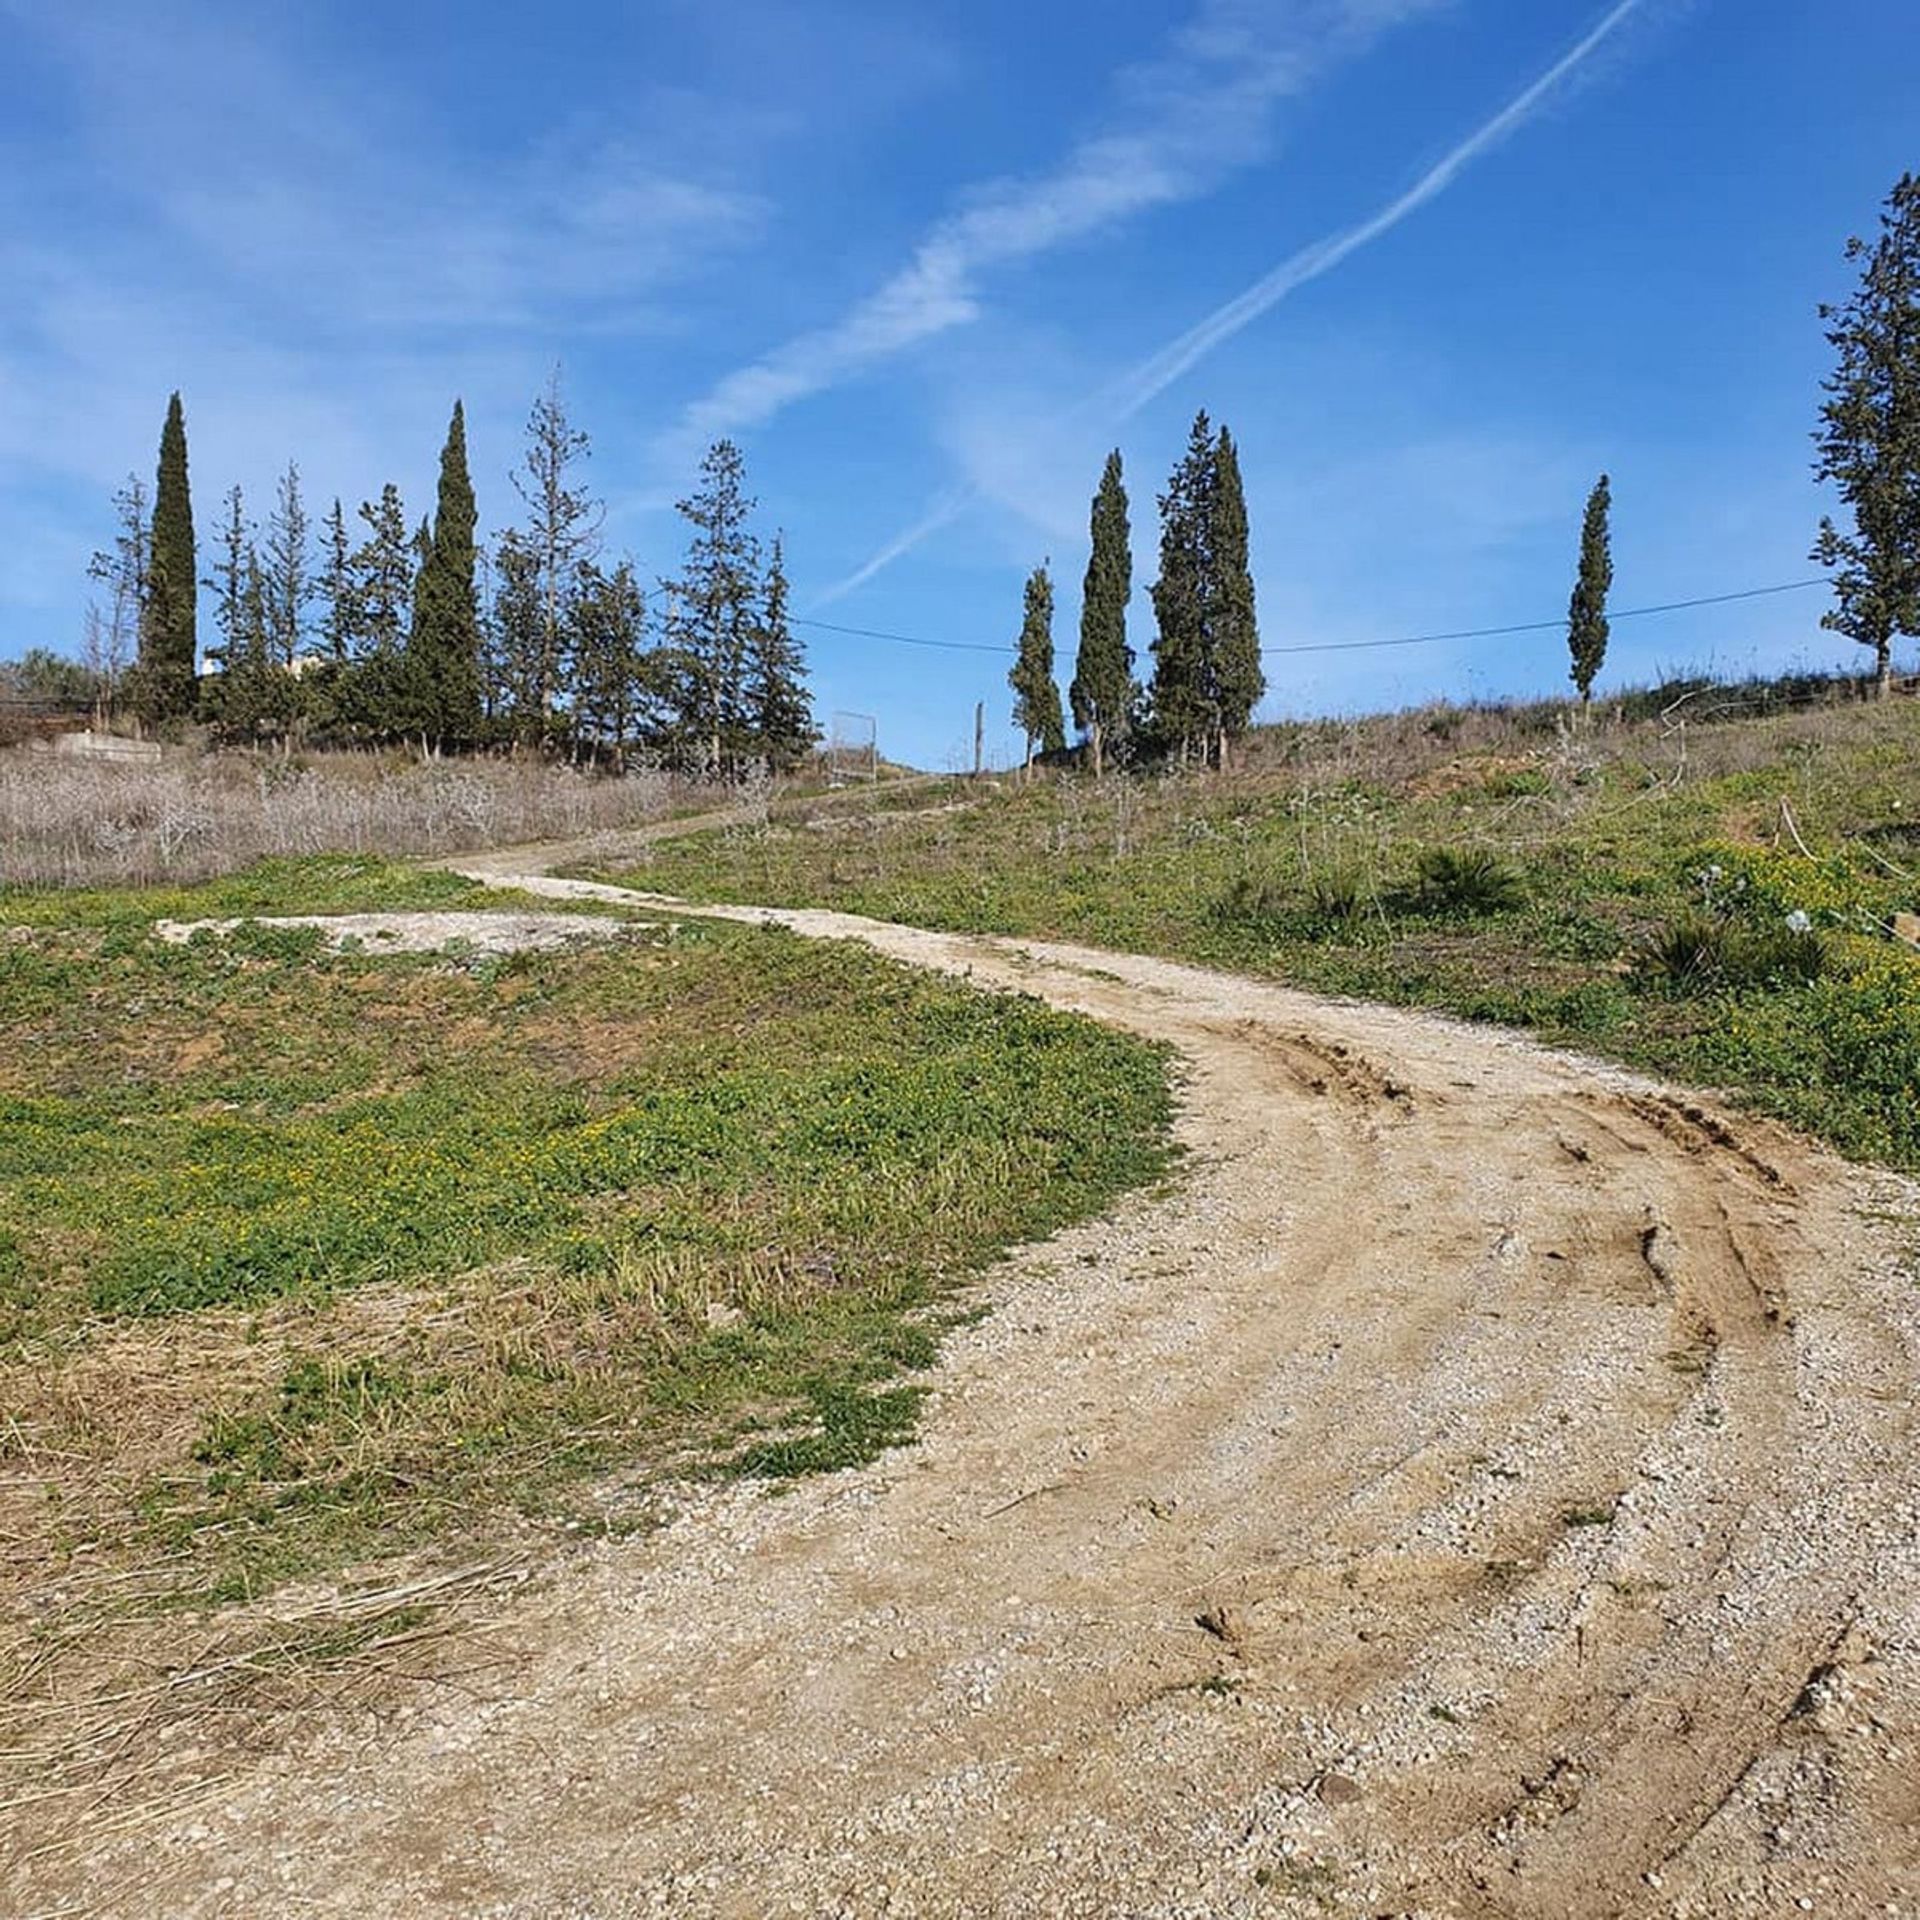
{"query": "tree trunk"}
[(1093, 739), (1884, 686)]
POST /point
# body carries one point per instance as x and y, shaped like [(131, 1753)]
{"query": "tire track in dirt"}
[(1537, 1446)]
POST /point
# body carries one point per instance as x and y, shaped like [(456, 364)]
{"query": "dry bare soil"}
[(1486, 1486)]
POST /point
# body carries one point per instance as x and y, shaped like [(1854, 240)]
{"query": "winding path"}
[(1536, 1444)]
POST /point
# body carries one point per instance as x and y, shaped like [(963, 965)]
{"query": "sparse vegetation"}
[(67, 823), (1706, 896)]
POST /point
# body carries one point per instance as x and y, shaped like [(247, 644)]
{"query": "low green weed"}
[(466, 1233)]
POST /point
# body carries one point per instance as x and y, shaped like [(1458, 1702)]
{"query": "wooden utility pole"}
[(979, 738)]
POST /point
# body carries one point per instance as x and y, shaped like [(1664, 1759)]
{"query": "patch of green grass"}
[(322, 883), (450, 1236), (1631, 891)]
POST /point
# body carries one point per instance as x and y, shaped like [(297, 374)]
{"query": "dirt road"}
[(1537, 1446)]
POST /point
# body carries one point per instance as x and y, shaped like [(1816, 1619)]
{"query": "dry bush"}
[(79, 823)]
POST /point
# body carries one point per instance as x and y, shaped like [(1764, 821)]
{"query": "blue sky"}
[(927, 263)]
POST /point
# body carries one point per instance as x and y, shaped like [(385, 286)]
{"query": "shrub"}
[(1465, 885), (1329, 902), (1688, 953), (1339, 897), (1698, 953)]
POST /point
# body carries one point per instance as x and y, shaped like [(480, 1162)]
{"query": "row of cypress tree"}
[(423, 635), (1206, 678)]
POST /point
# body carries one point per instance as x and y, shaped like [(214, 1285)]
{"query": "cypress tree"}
[(1104, 693), (1233, 632), (443, 651), (779, 708), (1184, 708), (1869, 438), (1587, 611), (169, 647), (1036, 697)]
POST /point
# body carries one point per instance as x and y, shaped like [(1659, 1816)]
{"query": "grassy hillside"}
[(1635, 887)]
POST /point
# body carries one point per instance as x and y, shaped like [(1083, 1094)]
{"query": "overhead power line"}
[(1357, 646), (903, 639), (1545, 626)]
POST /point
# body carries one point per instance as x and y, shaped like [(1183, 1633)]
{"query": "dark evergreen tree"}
[(564, 530), (382, 574), (258, 691), (1185, 711), (517, 649), (340, 625), (665, 686), (1869, 437), (169, 646), (1036, 695), (608, 618), (1233, 632), (713, 608), (1207, 677), (1104, 693), (442, 671), (1587, 627), (779, 708), (287, 570), (228, 582), (244, 693)]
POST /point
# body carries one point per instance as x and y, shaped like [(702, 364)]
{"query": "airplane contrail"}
[(1123, 398)]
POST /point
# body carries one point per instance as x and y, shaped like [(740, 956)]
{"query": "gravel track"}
[(1536, 1444)]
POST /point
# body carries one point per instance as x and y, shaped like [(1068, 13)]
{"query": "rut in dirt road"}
[(1486, 1486)]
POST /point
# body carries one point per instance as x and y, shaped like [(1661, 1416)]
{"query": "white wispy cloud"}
[(315, 252), (1179, 126), (1151, 377)]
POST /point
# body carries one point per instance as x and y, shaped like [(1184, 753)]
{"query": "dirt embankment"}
[(1486, 1486)]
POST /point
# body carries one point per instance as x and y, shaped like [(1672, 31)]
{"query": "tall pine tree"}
[(1587, 626), (713, 614), (517, 645), (340, 624), (382, 575), (607, 617), (563, 530), (169, 643), (1036, 696), (1869, 438), (779, 708), (287, 570), (442, 676), (1104, 693)]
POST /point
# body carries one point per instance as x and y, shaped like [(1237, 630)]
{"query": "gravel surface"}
[(476, 931), (1485, 1485)]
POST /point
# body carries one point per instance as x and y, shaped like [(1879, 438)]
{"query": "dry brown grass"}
[(74, 823)]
